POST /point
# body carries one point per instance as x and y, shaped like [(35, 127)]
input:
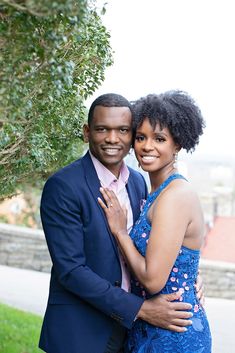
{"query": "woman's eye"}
[(139, 138), (160, 139)]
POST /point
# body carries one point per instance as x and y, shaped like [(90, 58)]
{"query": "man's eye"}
[(100, 129), (124, 130)]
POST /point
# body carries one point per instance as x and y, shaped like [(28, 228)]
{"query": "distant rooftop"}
[(220, 240)]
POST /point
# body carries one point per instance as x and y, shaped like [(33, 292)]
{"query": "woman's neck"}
[(158, 177)]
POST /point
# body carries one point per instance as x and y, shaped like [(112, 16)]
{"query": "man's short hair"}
[(108, 100)]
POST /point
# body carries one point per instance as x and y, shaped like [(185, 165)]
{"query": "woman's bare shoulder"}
[(179, 192)]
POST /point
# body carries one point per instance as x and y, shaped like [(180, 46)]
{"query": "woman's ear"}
[(178, 148)]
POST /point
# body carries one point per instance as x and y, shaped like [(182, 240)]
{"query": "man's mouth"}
[(111, 151)]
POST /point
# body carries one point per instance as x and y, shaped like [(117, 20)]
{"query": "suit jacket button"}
[(117, 284)]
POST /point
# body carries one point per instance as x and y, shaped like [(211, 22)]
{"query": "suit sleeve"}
[(63, 228)]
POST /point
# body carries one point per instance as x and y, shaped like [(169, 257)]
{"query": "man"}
[(89, 305)]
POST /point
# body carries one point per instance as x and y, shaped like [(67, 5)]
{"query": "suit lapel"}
[(91, 177), (134, 200), (93, 184)]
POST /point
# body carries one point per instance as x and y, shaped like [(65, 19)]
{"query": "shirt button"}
[(117, 284)]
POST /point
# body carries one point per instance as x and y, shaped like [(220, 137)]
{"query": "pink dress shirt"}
[(109, 180)]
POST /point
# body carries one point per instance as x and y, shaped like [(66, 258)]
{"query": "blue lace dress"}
[(145, 338)]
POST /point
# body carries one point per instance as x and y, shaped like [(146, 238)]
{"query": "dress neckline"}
[(164, 184)]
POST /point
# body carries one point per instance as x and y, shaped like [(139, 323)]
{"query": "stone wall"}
[(23, 248), (219, 278), (26, 248)]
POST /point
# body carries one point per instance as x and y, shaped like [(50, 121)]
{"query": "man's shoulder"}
[(134, 173), (67, 174), (68, 169), (136, 176)]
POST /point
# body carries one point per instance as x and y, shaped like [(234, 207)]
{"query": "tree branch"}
[(24, 9)]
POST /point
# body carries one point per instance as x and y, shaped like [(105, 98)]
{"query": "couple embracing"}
[(124, 271)]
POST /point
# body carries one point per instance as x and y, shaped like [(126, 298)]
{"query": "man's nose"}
[(112, 136)]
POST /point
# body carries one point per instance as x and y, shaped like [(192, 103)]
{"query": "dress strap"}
[(166, 182)]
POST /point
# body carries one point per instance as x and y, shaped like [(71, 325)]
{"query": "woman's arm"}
[(170, 217)]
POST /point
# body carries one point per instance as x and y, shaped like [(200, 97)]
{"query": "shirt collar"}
[(105, 176)]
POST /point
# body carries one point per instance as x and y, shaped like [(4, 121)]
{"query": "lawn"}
[(19, 331)]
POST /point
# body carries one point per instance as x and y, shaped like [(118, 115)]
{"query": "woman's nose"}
[(148, 146)]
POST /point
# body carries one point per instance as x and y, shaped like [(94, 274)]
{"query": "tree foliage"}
[(53, 55)]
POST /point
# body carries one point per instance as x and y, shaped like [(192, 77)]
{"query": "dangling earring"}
[(175, 164), (130, 151)]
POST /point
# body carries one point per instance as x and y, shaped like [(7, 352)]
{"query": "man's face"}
[(110, 136)]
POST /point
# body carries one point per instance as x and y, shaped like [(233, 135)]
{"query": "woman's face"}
[(155, 149)]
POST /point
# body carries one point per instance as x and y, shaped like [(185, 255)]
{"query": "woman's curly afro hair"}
[(175, 110)]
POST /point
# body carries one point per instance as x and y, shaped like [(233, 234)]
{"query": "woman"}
[(163, 248)]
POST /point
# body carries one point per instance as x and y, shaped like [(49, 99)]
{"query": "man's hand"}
[(200, 289), (160, 311)]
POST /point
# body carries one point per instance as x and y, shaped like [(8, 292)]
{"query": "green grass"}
[(19, 331)]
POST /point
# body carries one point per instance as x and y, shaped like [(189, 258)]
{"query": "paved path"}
[(27, 290)]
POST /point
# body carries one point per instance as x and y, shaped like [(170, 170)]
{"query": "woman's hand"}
[(115, 214)]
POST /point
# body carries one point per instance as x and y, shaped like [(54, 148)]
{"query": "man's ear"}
[(86, 131)]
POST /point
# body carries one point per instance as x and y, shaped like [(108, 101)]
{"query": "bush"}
[(53, 55)]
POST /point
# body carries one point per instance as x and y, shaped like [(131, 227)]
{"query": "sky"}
[(177, 44)]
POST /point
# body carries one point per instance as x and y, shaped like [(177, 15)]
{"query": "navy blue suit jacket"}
[(85, 295)]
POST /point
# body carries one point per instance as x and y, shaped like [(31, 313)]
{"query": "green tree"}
[(53, 55)]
